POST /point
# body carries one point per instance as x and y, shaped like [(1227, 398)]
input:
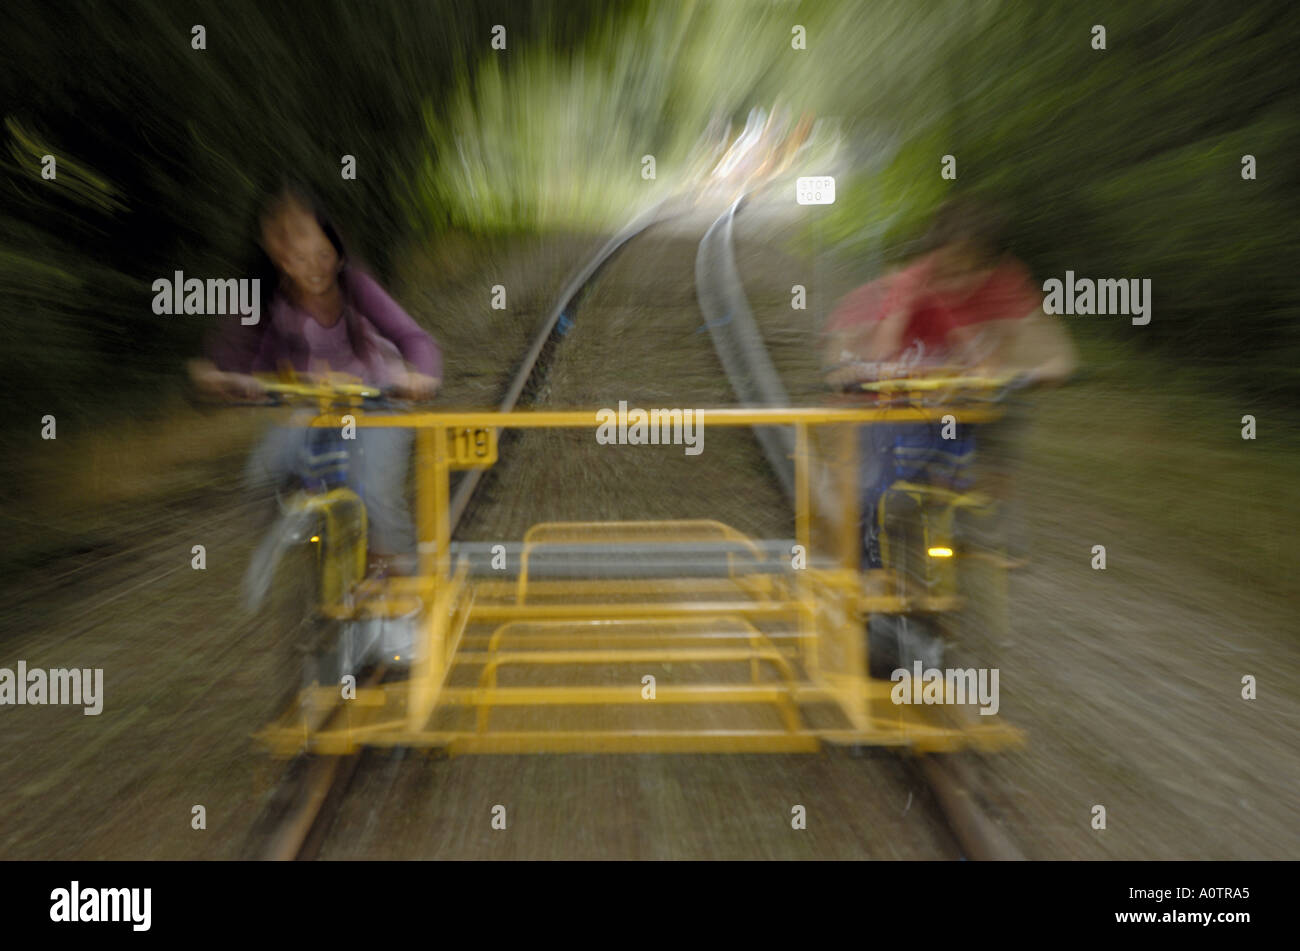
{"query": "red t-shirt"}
[(861, 306), (1005, 294)]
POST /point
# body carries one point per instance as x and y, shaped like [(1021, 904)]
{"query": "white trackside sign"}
[(815, 190)]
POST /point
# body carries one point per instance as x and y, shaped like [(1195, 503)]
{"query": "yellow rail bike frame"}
[(788, 647)]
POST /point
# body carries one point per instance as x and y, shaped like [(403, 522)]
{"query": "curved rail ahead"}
[(738, 342), (743, 354), (551, 329)]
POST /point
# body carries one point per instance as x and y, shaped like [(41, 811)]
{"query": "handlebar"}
[(922, 384), (292, 390), (325, 393), (944, 389)]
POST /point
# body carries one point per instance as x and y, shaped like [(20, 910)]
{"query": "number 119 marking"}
[(472, 448)]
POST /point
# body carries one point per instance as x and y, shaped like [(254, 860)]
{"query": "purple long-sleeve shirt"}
[(288, 334)]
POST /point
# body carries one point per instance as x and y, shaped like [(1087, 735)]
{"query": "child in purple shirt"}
[(324, 315)]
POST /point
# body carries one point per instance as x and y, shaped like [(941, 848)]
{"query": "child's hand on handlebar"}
[(243, 386), (415, 386), (859, 371), (217, 384)]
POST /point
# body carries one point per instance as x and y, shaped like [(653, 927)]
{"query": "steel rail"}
[(550, 329)]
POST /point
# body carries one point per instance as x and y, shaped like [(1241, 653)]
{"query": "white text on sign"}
[(815, 190)]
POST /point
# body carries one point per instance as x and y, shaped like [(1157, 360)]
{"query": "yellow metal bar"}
[(491, 589), (426, 668), (850, 514), (441, 489), (396, 694), (463, 610), (919, 738), (724, 416), (427, 499), (617, 630), (955, 382), (497, 612), (719, 741), (429, 671), (802, 497), (389, 606), (695, 529), (905, 726), (471, 655), (680, 655), (339, 743), (630, 694), (430, 666), (803, 537)]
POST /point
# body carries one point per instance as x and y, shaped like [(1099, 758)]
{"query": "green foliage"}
[(1126, 163), (551, 137)]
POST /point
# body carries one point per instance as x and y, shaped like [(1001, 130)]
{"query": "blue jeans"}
[(376, 469), (912, 452)]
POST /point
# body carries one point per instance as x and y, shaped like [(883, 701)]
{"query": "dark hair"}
[(969, 221), (291, 193)]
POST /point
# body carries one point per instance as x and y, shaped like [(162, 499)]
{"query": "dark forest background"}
[(1117, 163)]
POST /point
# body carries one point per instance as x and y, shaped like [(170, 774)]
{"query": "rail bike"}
[(663, 636)]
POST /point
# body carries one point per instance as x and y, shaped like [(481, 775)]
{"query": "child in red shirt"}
[(965, 307)]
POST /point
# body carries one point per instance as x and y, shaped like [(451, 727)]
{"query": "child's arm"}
[(417, 347), (1046, 348), (1020, 340)]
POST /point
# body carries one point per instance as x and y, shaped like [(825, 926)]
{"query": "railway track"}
[(296, 821)]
